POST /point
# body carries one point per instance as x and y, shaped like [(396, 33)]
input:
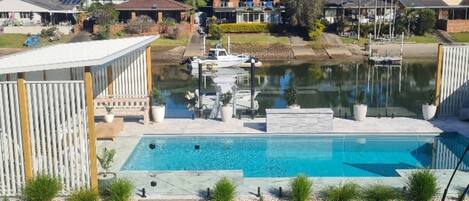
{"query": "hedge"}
[(244, 28)]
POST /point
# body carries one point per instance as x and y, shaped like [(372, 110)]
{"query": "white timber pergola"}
[(48, 101)]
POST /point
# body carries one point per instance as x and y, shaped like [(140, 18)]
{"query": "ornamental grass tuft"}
[(421, 185), (84, 194), (346, 192), (120, 190), (41, 188), (224, 190), (380, 192), (301, 188)]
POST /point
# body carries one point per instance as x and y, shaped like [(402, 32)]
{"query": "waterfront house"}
[(156, 9), (237, 11), (349, 9), (38, 12), (452, 15)]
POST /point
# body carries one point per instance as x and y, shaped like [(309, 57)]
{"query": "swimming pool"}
[(286, 156)]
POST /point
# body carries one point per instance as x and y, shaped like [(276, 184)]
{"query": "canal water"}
[(389, 91)]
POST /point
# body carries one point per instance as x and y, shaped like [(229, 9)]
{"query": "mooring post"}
[(253, 85)]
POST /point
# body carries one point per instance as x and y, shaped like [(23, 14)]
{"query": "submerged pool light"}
[(152, 146), (196, 147)]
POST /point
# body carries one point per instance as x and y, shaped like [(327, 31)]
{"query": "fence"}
[(454, 79), (57, 130)]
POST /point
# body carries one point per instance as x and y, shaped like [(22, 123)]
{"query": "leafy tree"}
[(196, 3), (302, 13), (425, 21), (105, 16)]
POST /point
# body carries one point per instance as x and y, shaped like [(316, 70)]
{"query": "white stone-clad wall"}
[(299, 120)]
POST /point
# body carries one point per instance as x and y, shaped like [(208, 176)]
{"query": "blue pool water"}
[(286, 156)]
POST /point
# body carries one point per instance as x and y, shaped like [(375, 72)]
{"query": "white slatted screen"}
[(11, 151), (129, 75), (455, 78), (57, 118)]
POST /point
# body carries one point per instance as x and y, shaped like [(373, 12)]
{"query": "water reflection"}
[(389, 91)]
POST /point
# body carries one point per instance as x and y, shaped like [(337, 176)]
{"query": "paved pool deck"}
[(192, 185), (399, 125)]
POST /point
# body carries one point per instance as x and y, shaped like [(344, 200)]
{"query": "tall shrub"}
[(301, 188), (140, 25), (380, 193), (316, 30), (421, 185), (41, 188), (224, 190), (346, 192), (120, 190), (215, 32), (425, 21)]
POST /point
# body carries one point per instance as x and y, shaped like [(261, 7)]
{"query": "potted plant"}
[(226, 109), (158, 107), (290, 95), (108, 117), (360, 109), (192, 100), (105, 159), (429, 107)]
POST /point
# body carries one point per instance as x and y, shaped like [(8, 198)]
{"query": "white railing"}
[(454, 79), (11, 152)]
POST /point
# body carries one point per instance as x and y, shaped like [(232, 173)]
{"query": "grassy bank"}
[(17, 40), (427, 38), (461, 37), (253, 39), (170, 42)]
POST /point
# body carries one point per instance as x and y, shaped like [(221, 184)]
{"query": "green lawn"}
[(427, 38), (170, 42), (461, 37), (256, 39), (17, 40)]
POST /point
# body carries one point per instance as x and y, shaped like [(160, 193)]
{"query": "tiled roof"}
[(355, 3), (55, 4), (152, 5), (431, 4)]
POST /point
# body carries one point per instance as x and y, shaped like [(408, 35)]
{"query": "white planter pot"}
[(226, 113), (108, 118), (158, 113), (359, 112), (294, 106), (428, 111)]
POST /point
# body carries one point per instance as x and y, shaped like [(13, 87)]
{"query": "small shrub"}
[(317, 30), (169, 21), (380, 193), (301, 188), (244, 28), (49, 32), (291, 95), (215, 32), (430, 97), (360, 98), (120, 190), (175, 33), (41, 188), (5, 198), (140, 25), (158, 99), (421, 185), (226, 98), (106, 158), (346, 192), (84, 194), (224, 190)]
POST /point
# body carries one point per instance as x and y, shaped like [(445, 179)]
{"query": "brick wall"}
[(454, 26)]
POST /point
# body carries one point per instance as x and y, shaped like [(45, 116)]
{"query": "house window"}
[(3, 15), (25, 15)]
